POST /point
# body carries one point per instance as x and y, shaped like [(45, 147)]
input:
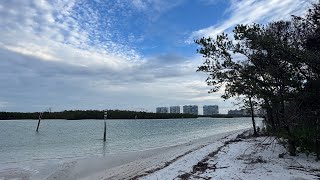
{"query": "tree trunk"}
[(317, 141), (270, 116), (292, 147), (292, 142), (318, 149), (252, 116)]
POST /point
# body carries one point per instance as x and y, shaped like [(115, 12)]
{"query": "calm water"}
[(57, 140)]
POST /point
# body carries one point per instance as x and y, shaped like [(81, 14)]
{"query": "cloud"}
[(156, 7), (69, 54), (258, 11), (168, 66), (59, 26), (4, 104), (62, 31), (32, 84)]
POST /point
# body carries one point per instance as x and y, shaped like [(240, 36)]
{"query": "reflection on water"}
[(104, 146)]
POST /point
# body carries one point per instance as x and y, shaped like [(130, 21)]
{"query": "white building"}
[(190, 109), (175, 109), (162, 110), (210, 110)]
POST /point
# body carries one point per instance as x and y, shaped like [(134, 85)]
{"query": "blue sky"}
[(116, 54)]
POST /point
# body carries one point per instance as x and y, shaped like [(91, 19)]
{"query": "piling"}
[(105, 131), (40, 116), (105, 126)]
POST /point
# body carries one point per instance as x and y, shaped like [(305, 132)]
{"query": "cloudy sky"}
[(116, 54)]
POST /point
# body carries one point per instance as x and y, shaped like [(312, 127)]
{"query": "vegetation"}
[(276, 66), (97, 114), (223, 116), (92, 114)]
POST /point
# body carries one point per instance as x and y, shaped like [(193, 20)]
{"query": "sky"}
[(117, 54)]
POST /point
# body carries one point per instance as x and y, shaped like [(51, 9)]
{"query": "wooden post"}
[(40, 116), (105, 126), (105, 130)]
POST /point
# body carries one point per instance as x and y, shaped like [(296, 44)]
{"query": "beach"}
[(228, 155), (241, 158), (136, 164), (74, 149), (225, 156)]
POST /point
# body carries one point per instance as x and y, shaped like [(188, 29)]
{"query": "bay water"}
[(58, 141)]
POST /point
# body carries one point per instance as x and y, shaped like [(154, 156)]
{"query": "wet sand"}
[(133, 164)]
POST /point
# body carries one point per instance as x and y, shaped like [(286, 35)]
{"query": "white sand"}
[(134, 164), (254, 158)]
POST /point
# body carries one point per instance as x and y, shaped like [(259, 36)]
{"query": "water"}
[(60, 140)]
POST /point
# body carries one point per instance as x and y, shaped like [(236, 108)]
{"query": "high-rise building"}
[(210, 110), (190, 109), (175, 109), (162, 110)]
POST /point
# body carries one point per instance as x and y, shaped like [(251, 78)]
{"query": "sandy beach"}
[(137, 164), (242, 158), (225, 156), (232, 155), (133, 149)]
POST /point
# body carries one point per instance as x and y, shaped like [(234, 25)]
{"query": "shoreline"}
[(243, 157), (134, 164), (200, 117), (78, 150), (229, 155)]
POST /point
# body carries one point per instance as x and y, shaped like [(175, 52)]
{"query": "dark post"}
[(105, 126), (40, 116)]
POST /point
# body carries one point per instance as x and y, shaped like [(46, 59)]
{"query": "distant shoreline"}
[(98, 114), (130, 118)]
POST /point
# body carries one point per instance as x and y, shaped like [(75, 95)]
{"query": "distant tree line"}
[(274, 66), (224, 116), (91, 114)]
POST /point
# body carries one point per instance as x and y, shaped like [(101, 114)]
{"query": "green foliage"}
[(278, 66), (91, 114)]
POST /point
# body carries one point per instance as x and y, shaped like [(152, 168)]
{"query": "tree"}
[(223, 70), (275, 63)]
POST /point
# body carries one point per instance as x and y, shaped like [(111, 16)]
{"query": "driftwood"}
[(200, 167), (187, 175), (315, 172)]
